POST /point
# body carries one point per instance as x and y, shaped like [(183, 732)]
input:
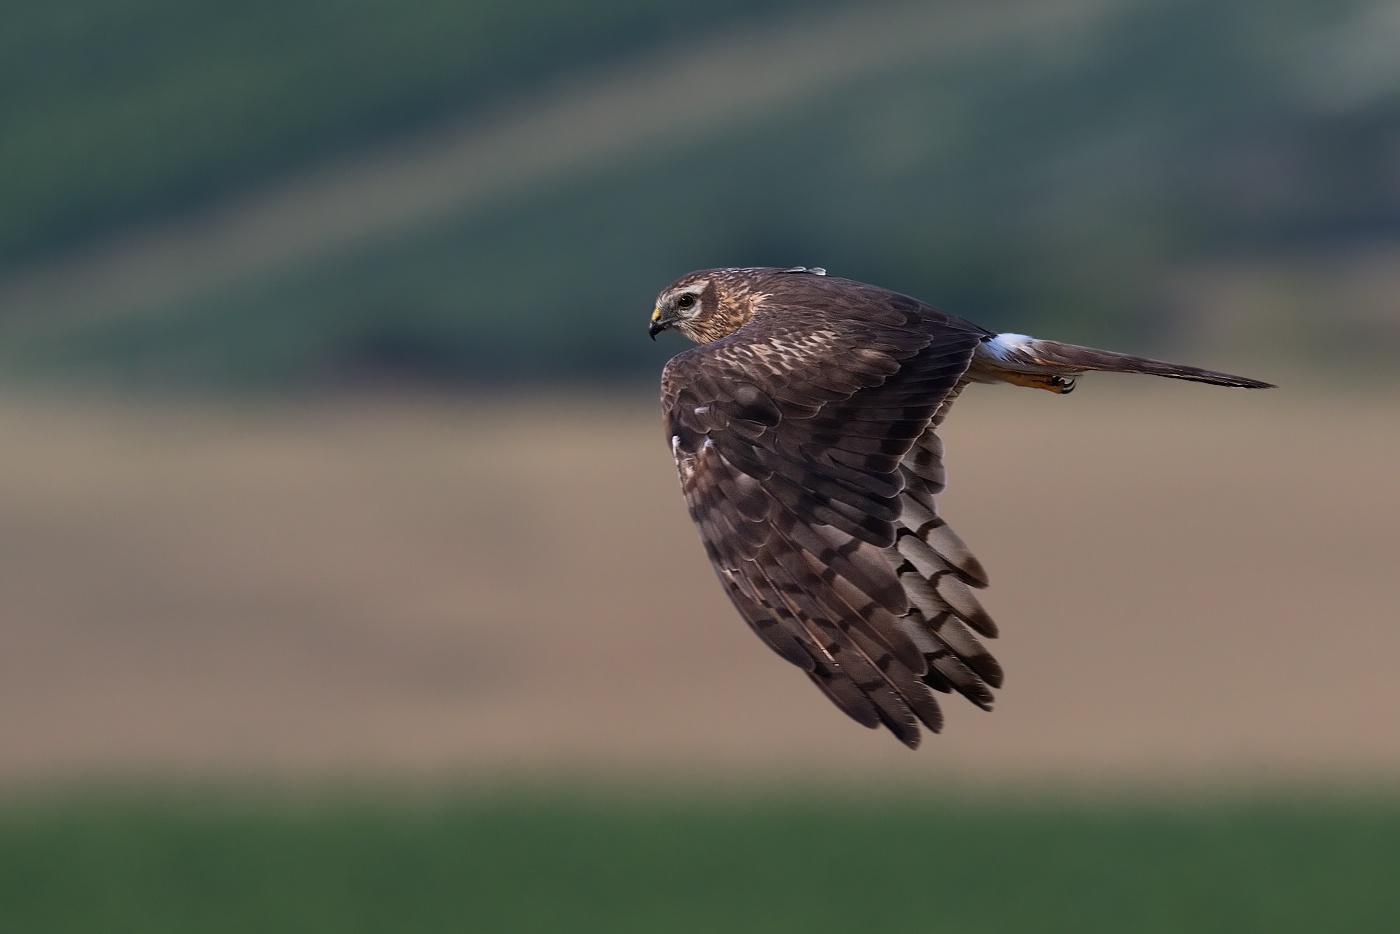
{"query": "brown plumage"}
[(803, 430)]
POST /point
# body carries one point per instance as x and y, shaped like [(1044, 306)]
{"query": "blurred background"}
[(345, 583)]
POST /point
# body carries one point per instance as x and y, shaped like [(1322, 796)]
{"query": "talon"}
[(1057, 384)]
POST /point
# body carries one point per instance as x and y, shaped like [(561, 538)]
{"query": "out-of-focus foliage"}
[(1068, 183), (123, 111), (684, 865)]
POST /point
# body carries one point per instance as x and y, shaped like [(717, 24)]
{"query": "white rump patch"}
[(1004, 347)]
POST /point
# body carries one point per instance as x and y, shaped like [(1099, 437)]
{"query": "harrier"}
[(804, 430)]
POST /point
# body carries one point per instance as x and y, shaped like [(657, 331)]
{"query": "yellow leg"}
[(1057, 384)]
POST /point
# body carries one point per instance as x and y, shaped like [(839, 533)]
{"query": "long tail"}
[(1026, 361)]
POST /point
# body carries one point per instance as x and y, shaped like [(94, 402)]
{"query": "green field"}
[(894, 863)]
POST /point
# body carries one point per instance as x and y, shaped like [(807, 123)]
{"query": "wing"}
[(939, 573), (805, 450)]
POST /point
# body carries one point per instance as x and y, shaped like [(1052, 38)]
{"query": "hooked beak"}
[(658, 323)]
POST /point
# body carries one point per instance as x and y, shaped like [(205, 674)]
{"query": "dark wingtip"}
[(911, 739)]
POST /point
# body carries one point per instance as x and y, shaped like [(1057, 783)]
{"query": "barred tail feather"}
[(1016, 358), (1081, 359)]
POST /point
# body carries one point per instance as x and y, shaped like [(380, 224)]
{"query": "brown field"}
[(1193, 584)]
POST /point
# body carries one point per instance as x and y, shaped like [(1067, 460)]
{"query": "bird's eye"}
[(685, 301)]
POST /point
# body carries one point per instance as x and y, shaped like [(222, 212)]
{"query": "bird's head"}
[(705, 305)]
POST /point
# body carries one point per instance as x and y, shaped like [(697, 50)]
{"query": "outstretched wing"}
[(805, 449), (939, 572)]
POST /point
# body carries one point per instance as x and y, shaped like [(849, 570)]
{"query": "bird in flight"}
[(804, 429)]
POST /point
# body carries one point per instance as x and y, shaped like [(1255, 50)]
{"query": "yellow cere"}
[(656, 313)]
